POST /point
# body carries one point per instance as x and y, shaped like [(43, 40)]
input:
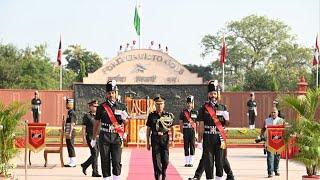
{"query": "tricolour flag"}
[(316, 53), (59, 53), (223, 52), (136, 21)]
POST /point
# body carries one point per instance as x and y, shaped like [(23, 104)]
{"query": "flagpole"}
[(317, 78), (140, 15), (60, 76), (223, 77)]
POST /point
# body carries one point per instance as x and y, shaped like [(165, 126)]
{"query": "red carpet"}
[(141, 166)]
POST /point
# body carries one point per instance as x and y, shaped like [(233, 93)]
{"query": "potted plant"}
[(306, 129), (10, 118)]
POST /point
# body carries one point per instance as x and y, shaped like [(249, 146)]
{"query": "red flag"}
[(223, 52), (59, 53), (316, 53)]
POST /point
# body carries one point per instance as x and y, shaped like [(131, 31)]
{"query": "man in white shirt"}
[(272, 159)]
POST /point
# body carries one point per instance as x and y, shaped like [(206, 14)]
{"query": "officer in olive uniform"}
[(213, 142), (36, 102), (112, 116), (187, 127), (158, 125), (70, 133), (87, 122)]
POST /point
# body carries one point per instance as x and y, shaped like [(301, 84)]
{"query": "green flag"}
[(137, 21)]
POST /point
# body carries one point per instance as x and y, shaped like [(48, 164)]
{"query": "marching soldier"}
[(36, 102), (70, 133), (158, 125), (112, 116), (212, 115), (226, 165), (88, 121), (187, 127)]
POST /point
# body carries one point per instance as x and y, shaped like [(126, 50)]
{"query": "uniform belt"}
[(159, 133), (187, 125), (211, 132), (108, 130), (108, 126), (206, 126)]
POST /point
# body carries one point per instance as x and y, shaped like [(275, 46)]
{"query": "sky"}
[(103, 25)]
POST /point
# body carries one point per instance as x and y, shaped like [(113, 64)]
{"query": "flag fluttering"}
[(223, 52), (136, 21), (316, 53), (59, 53)]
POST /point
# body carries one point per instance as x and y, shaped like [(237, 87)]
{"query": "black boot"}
[(164, 177), (84, 169), (96, 175), (194, 178), (157, 176)]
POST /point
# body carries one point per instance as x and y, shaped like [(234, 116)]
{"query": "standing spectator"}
[(151, 45), (133, 45), (36, 102), (272, 159), (159, 48), (252, 110)]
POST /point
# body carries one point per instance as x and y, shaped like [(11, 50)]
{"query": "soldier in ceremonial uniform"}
[(111, 115), (70, 133), (187, 127), (87, 122), (226, 165), (158, 125), (212, 117), (252, 110), (36, 102)]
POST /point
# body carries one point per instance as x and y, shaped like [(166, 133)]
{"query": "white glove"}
[(199, 146), (39, 112), (93, 143), (125, 136), (124, 115)]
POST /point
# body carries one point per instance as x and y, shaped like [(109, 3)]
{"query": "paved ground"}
[(247, 164)]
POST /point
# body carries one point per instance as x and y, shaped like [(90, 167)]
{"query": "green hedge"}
[(242, 133)]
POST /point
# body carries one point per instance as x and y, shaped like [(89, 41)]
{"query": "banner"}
[(275, 139), (36, 136)]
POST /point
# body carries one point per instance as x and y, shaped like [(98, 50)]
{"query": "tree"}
[(258, 43), (75, 55), (203, 71), (29, 68)]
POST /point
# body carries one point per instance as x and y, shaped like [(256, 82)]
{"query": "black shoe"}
[(96, 175), (190, 165), (230, 178), (276, 173), (67, 165), (194, 178), (84, 169), (164, 177), (186, 165), (269, 175)]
